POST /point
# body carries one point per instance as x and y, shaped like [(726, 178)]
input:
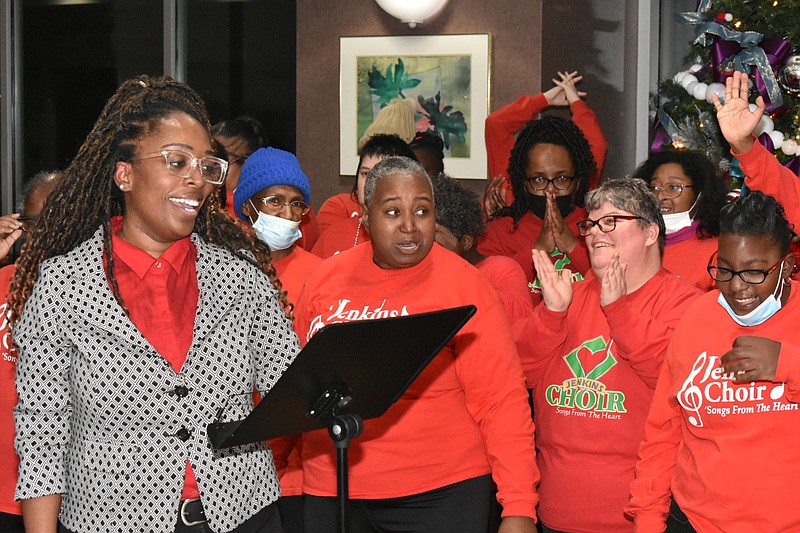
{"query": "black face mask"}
[(538, 204)]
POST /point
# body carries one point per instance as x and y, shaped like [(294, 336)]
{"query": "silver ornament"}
[(789, 75)]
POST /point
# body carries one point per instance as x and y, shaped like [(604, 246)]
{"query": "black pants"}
[(459, 508), (11, 523), (677, 521)]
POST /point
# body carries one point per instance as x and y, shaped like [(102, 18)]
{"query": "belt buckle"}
[(186, 522)]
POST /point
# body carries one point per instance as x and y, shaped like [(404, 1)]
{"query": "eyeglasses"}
[(606, 224), (277, 203), (749, 276), (181, 163), (540, 183), (669, 191)]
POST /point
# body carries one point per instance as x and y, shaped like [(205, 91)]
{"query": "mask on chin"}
[(538, 204), (675, 222), (771, 305)]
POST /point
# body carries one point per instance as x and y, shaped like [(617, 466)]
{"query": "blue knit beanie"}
[(267, 167)]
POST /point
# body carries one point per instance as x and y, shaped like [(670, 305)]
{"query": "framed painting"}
[(445, 78)]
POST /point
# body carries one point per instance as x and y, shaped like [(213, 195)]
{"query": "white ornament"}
[(789, 147), (689, 78), (765, 125), (752, 107), (777, 139), (679, 76), (695, 68), (718, 89), (728, 17), (699, 91), (690, 86)]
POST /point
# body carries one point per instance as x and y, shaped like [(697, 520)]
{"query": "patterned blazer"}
[(104, 420)]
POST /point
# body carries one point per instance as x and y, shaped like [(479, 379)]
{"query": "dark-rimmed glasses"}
[(606, 224), (181, 164), (540, 183), (276, 204), (751, 276), (670, 190)]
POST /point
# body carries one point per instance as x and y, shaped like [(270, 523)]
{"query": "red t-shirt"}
[(335, 209), (728, 453), (161, 298), (340, 236), (465, 416), (593, 369), (8, 399)]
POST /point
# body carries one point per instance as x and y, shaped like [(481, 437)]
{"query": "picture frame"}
[(445, 78)]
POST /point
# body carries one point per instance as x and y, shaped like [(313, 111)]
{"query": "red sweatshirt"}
[(593, 370), (503, 125), (688, 260), (507, 277), (8, 399), (766, 174), (728, 453), (465, 416), (337, 208)]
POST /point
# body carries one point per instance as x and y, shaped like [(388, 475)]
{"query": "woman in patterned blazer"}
[(141, 310)]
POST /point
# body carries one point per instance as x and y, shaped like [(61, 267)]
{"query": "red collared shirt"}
[(161, 297)]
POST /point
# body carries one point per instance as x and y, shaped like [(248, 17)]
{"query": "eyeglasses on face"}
[(540, 183), (181, 163), (669, 191), (751, 276), (606, 224), (237, 159), (275, 204)]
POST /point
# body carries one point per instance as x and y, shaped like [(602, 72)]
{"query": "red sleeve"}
[(507, 277), (497, 400), (539, 338), (650, 490), (586, 120), (503, 125), (765, 173), (642, 337)]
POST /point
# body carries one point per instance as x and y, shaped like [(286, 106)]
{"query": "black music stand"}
[(347, 373)]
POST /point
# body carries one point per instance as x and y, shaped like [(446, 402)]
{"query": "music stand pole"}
[(342, 430)]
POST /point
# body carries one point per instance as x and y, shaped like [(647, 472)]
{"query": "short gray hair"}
[(633, 196), (388, 167)]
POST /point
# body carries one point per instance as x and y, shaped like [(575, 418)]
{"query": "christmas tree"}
[(753, 36)]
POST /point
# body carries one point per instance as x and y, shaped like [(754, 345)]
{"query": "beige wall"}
[(516, 38)]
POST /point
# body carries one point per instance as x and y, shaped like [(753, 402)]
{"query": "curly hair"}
[(458, 209), (547, 130), (759, 215), (86, 197), (705, 182)]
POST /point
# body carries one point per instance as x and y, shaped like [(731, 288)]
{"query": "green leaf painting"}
[(438, 86)]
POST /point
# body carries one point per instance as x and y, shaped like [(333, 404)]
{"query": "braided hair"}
[(547, 130), (86, 197)]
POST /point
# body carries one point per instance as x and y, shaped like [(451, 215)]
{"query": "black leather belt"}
[(191, 512)]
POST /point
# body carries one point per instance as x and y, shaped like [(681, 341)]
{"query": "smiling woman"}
[(134, 295)]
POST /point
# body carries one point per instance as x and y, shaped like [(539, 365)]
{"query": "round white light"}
[(412, 12)]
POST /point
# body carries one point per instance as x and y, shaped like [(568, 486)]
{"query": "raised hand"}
[(563, 92), (556, 284), (752, 359), (493, 197), (736, 121), (613, 285)]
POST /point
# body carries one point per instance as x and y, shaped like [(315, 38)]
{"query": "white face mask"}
[(771, 305), (278, 233), (675, 222)]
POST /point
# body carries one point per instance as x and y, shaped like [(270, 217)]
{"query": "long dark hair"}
[(86, 197)]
